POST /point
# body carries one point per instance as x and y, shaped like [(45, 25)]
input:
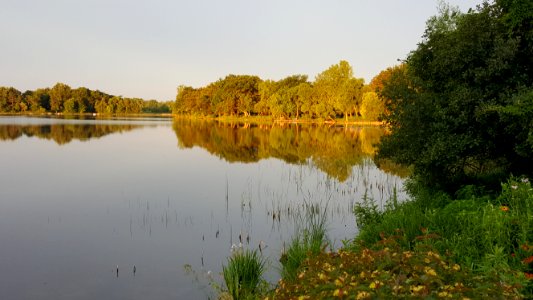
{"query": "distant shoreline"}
[(250, 119), (270, 120)]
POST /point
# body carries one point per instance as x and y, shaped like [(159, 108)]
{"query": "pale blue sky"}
[(147, 48)]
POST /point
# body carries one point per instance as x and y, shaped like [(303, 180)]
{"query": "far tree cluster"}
[(335, 93), (61, 98)]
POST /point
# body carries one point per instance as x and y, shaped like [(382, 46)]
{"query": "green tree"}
[(236, 94), (58, 95), (351, 97), (371, 107), (284, 101), (100, 106), (80, 97), (337, 90), (304, 97), (10, 99), (70, 106), (265, 89), (96, 96), (38, 100), (155, 107), (459, 110)]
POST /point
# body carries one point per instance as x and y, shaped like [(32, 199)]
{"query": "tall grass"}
[(243, 274), (309, 240)]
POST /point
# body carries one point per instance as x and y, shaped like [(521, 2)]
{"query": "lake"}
[(79, 197)]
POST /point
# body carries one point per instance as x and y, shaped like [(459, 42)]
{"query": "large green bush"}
[(461, 107)]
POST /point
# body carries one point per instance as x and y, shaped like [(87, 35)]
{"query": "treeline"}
[(333, 149), (61, 98), (335, 93)]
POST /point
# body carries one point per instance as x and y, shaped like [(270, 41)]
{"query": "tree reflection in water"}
[(62, 133), (333, 149)]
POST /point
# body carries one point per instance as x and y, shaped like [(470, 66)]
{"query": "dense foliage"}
[(334, 93), (61, 98), (461, 108)]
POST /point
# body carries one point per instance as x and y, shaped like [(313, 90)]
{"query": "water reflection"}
[(64, 130), (334, 150), (62, 133)]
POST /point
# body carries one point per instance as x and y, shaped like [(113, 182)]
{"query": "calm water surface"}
[(79, 197)]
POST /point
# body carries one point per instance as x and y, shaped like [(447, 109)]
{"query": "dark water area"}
[(80, 197)]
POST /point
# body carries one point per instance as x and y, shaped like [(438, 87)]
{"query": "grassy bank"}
[(471, 246)]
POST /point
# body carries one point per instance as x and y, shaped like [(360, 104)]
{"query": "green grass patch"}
[(310, 240), (243, 274)]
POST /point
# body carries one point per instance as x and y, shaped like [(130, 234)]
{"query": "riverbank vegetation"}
[(61, 98), (460, 111)]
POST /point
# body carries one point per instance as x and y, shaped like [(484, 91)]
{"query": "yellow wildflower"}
[(338, 282), (362, 295), (321, 276), (327, 267), (456, 267), (426, 260), (430, 271), (417, 288), (443, 294), (397, 288), (375, 284), (337, 293), (303, 297)]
